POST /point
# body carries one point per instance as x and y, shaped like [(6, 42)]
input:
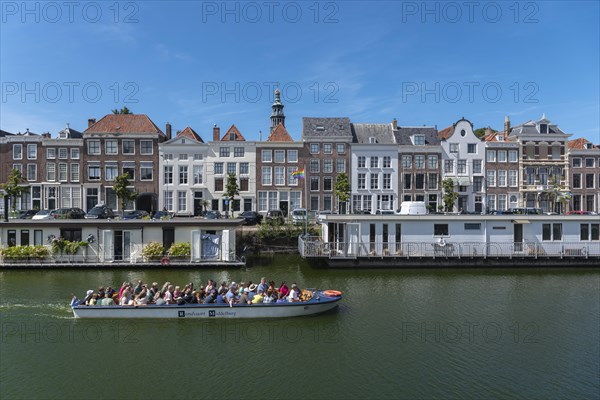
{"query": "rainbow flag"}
[(298, 174)]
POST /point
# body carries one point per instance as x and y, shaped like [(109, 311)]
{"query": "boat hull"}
[(211, 311)]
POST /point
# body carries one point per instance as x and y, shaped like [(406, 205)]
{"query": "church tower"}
[(277, 116)]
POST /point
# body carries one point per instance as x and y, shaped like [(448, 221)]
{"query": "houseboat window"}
[(372, 236), (38, 239), (440, 230), (24, 237), (385, 237), (551, 231), (499, 227), (473, 227), (11, 237), (595, 231), (398, 233), (590, 231), (584, 232), (71, 234)]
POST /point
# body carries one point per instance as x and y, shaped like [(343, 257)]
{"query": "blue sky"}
[(204, 63)]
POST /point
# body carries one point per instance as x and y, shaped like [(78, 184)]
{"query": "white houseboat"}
[(455, 240)]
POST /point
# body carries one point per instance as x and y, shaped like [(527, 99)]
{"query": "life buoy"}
[(332, 293), (165, 261)]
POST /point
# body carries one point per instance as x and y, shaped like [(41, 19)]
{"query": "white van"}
[(299, 216), (413, 208)]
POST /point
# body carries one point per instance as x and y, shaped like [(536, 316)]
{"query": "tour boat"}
[(319, 302)]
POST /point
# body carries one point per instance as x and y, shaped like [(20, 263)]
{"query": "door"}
[(197, 203), (107, 243), (462, 203), (283, 206), (353, 239), (118, 246), (168, 237), (518, 237)]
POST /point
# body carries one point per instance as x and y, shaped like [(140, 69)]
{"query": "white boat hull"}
[(208, 311)]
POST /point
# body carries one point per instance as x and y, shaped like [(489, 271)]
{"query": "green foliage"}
[(153, 251), (231, 189), (277, 231), (63, 246), (123, 110), (25, 252), (342, 187), (480, 132), (13, 188), (180, 249), (122, 190), (450, 195)]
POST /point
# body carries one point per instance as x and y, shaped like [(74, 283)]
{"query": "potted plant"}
[(180, 250), (153, 251)]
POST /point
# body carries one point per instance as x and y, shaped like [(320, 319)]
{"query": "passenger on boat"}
[(111, 292), (270, 297), (258, 297), (143, 297), (252, 291), (284, 289), (107, 300), (158, 299), (244, 297), (176, 293), (122, 289), (168, 295), (153, 290), (281, 298), (293, 296), (210, 296), (126, 298), (101, 293), (138, 287), (263, 285), (221, 296), (272, 286), (231, 295)]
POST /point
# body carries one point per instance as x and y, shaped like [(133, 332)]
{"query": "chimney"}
[(91, 121), (395, 124), (216, 133), (46, 135), (506, 126), (168, 131)]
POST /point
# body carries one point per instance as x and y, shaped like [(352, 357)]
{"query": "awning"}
[(462, 181), (520, 221)]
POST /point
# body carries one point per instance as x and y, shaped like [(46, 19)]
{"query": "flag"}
[(298, 174)]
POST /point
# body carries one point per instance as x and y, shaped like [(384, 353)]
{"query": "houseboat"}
[(212, 242), (454, 240)]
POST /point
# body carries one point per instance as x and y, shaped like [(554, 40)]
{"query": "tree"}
[(122, 191), (123, 110), (13, 189), (205, 203), (342, 190), (480, 132), (231, 189), (450, 195)]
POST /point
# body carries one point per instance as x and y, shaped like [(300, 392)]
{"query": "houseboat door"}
[(353, 239), (169, 237), (122, 245), (518, 237), (107, 244)]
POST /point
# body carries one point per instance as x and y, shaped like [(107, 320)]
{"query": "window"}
[(31, 151), (374, 181), (327, 203), (327, 183), (231, 167), (63, 153), (238, 152), (62, 172), (420, 181), (432, 162), (74, 172), (267, 176), (50, 172), (292, 156), (218, 184), (471, 148), (244, 184), (94, 172), (17, 151), (387, 162), (454, 148), (512, 156), (168, 195), (181, 201), (327, 148), (183, 157), (314, 166), (198, 169), (406, 162), (512, 178), (543, 128), (110, 172), (93, 147), (501, 202), (279, 176), (462, 167), (432, 182), (51, 153), (328, 165), (419, 162), (472, 226), (374, 162), (183, 174), (590, 232), (128, 147), (146, 172), (129, 169), (244, 167), (491, 202), (314, 148), (502, 178), (501, 155), (31, 172), (491, 178), (477, 166), (279, 156), (218, 168), (552, 232), (419, 140), (74, 153), (449, 166), (589, 181), (292, 181), (146, 147), (267, 156), (223, 151), (589, 162), (314, 183), (407, 182), (387, 181), (340, 148), (440, 229), (362, 181), (168, 175), (576, 181), (18, 167), (198, 157), (491, 156), (362, 161), (577, 162), (340, 165), (110, 147), (168, 156)]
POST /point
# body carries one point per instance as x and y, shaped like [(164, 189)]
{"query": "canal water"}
[(401, 334)]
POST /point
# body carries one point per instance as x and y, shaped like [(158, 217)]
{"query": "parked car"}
[(68, 213), (579, 212), (100, 212), (320, 215), (43, 214), (135, 214), (525, 210), (163, 214), (28, 214), (251, 217), (385, 212), (275, 216), (299, 216), (212, 214)]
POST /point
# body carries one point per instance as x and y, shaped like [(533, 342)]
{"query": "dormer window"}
[(419, 140), (543, 128), (232, 136), (372, 140), (500, 138), (320, 128)]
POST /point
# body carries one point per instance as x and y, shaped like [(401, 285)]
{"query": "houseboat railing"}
[(315, 247)]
